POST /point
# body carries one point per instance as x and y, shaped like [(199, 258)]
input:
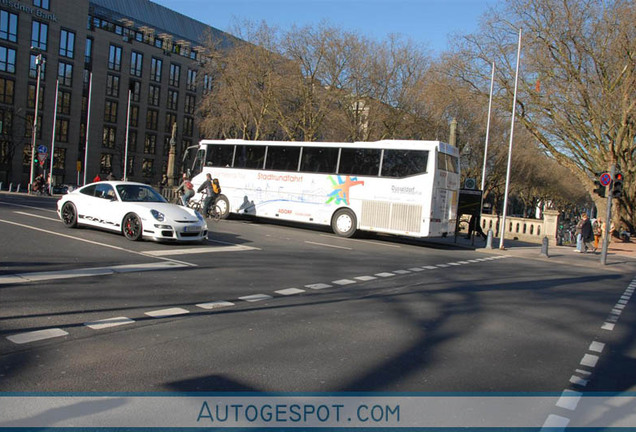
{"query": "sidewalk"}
[(620, 256)]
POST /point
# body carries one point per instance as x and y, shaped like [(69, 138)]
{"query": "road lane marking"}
[(361, 241), (289, 291), (443, 265), (37, 216), (416, 269), (569, 400), (343, 282), (597, 347), (328, 245), (430, 267), (318, 286), (401, 272), (555, 423), (108, 322), (90, 241), (27, 206), (365, 278), (165, 313), (95, 271), (589, 360), (215, 304), (608, 326), (385, 274), (576, 380), (198, 250), (255, 297), (34, 336)]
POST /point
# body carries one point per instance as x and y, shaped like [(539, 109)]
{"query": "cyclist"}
[(186, 188), (209, 191)]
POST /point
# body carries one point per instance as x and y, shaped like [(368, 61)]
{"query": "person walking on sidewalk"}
[(584, 233)]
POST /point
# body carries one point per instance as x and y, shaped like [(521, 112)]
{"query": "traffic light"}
[(599, 189), (36, 159), (617, 185)]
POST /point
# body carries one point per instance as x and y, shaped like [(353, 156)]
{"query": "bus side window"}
[(356, 161), (319, 160), (404, 163)]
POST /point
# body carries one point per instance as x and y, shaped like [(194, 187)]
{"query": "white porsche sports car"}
[(134, 209)]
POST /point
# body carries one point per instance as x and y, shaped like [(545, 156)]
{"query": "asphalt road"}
[(269, 307)]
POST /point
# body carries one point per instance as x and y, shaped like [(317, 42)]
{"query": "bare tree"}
[(577, 93)]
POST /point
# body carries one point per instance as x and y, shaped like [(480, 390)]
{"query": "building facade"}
[(103, 56)]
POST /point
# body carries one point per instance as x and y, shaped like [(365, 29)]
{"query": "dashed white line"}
[(37, 335), (38, 216), (555, 422), (430, 267), (215, 304), (289, 291), (365, 278), (384, 274), (255, 298), (401, 272), (569, 400), (576, 380), (608, 326), (443, 265), (164, 313), (589, 360), (318, 286), (416, 269), (199, 250), (343, 282), (108, 322), (597, 347)]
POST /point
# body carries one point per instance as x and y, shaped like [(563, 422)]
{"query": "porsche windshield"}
[(138, 193)]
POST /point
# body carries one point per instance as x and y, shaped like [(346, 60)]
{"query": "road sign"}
[(605, 179), (42, 157)]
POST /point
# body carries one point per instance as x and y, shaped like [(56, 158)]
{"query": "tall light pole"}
[(512, 130), (39, 61)]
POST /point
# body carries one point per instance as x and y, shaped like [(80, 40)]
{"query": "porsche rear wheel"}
[(132, 227), (69, 215)]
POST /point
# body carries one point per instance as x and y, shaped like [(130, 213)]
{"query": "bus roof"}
[(383, 144)]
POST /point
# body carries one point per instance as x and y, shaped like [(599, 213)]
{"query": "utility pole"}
[(172, 156), (39, 61)]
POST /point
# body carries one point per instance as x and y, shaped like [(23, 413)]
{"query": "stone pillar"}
[(452, 139), (172, 156), (550, 223)]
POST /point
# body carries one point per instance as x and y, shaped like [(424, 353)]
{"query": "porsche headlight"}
[(157, 215)]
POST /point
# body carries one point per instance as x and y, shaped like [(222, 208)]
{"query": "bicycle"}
[(214, 211)]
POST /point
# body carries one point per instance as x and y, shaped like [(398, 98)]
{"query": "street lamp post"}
[(39, 61)]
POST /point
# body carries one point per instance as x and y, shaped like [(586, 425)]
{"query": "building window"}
[(6, 121), (65, 74), (188, 126), (150, 144), (173, 98), (8, 26), (39, 35), (132, 141), (43, 4), (134, 116), (112, 85), (152, 119), (7, 90), (67, 43), (114, 58), (61, 130), (207, 83), (59, 159), (136, 63), (88, 52), (148, 168), (191, 83), (28, 123), (31, 90), (131, 165), (106, 163), (7, 60), (33, 68), (170, 120), (190, 101), (166, 145), (108, 137), (64, 102), (135, 90), (155, 69), (110, 111), (153, 95), (175, 74)]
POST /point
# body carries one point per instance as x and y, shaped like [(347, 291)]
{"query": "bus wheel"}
[(344, 223), (224, 206)]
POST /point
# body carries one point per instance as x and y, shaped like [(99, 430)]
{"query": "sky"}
[(428, 22)]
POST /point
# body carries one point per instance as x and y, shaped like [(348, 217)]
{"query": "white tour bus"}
[(398, 187)]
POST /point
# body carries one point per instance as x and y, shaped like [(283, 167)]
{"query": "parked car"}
[(134, 209)]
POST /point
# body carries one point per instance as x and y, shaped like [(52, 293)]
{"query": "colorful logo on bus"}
[(341, 188)]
